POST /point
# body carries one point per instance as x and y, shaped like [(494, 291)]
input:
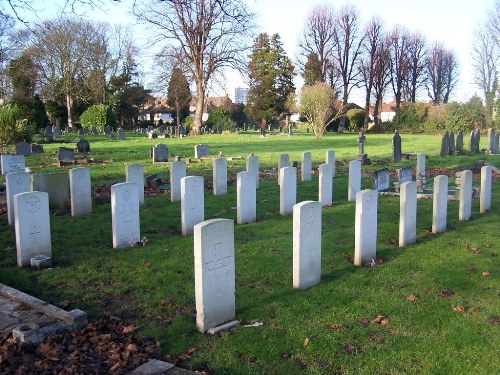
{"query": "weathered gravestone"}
[(445, 145), (57, 187), (80, 191), (397, 152), (49, 135), (420, 173), (497, 145), (306, 244), (475, 137), (32, 223), (490, 143), (465, 185), (288, 190), (365, 232), (354, 180), (201, 150), (440, 204), (23, 148), (177, 171), (330, 160), (83, 146), (135, 173), (306, 170), (284, 161), (12, 163), (192, 203), (108, 130), (219, 169), (246, 198), (125, 214), (94, 130), (121, 134), (253, 168), (56, 130), (381, 179), (459, 147), (214, 273), (485, 197), (362, 157), (408, 213), (160, 153), (16, 183), (65, 154), (404, 175), (182, 131), (325, 193), (36, 149)]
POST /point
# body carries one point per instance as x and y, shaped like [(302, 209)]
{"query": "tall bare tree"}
[(372, 42), (398, 43), (381, 77), (348, 38), (203, 37), (6, 47), (416, 67), (442, 73)]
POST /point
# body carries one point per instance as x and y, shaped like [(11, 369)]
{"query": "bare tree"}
[(348, 40), (371, 45), (416, 67), (381, 77), (442, 73), (398, 43), (204, 37), (5, 54)]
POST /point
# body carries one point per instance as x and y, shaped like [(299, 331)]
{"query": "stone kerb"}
[(214, 273), (125, 214), (306, 244), (32, 225)]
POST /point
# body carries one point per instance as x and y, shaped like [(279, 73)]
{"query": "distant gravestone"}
[(472, 142), (56, 130), (490, 142), (81, 132), (404, 174), (306, 244), (80, 191), (192, 203), (253, 167), (15, 183), (94, 130), (465, 186), (362, 157), (152, 135), (354, 180), (12, 163), (497, 146), (201, 151), (288, 190), (283, 162), (381, 179), (65, 154), (365, 237), (459, 147), (219, 129), (325, 193), (439, 204), (160, 153), (306, 170), (214, 273), (125, 214), (220, 176), (485, 197), (477, 139), (246, 198), (23, 148), (108, 130), (408, 213), (49, 135), (32, 226), (177, 172), (36, 149), (182, 131), (421, 176), (56, 185), (451, 143), (121, 134), (445, 145), (135, 173), (83, 146), (397, 152), (330, 160)]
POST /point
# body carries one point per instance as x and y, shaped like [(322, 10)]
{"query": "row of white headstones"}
[(214, 239)]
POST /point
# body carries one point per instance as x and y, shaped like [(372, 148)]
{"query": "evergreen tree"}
[(312, 70), (179, 95)]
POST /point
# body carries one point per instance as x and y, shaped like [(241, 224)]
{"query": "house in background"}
[(211, 103)]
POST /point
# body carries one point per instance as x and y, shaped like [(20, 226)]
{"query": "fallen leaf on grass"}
[(131, 328), (494, 319), (412, 298), (485, 273), (336, 326), (132, 347), (306, 341), (166, 302), (348, 348), (380, 319), (364, 321), (393, 241), (445, 293), (459, 308), (474, 249)]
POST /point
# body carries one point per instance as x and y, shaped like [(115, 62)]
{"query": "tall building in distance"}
[(240, 95)]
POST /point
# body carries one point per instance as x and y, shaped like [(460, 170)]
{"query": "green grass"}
[(154, 285)]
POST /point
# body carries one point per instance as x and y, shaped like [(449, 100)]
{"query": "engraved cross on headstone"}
[(34, 232), (218, 267)]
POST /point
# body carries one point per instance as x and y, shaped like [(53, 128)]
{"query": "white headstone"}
[(365, 236), (32, 223), (420, 165), (12, 163), (253, 167), (177, 171), (214, 273), (80, 191), (56, 185), (246, 198), (354, 180), (408, 213), (465, 208), (135, 174), (485, 198), (325, 185), (283, 162), (192, 203), (330, 160), (306, 171), (440, 204), (220, 176), (288, 190), (307, 244), (125, 214), (16, 183)]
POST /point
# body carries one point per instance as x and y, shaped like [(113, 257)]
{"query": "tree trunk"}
[(178, 111), (367, 110), (198, 115), (69, 106)]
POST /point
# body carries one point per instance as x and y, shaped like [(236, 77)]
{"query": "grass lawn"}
[(449, 326)]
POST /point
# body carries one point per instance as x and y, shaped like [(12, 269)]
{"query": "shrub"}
[(221, 116), (356, 119), (98, 115), (14, 128)]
